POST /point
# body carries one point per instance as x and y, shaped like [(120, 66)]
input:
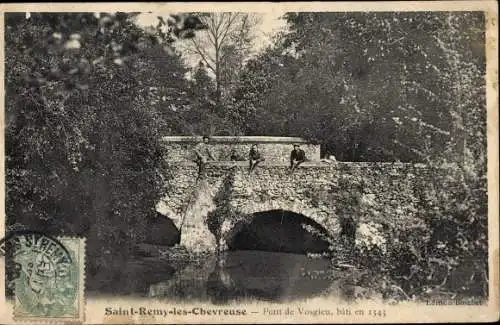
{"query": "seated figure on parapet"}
[(203, 155), (254, 157), (297, 157)]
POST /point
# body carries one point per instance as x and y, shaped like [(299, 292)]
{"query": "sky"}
[(271, 24)]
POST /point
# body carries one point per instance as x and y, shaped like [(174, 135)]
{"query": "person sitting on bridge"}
[(297, 157), (254, 158), (203, 155)]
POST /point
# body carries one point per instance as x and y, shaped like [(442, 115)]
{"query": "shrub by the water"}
[(446, 257)]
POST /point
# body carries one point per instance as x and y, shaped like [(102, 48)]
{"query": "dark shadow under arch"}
[(162, 231), (280, 231)]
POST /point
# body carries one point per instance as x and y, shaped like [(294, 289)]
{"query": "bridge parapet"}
[(273, 149)]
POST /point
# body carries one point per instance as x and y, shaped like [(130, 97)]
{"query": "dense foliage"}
[(84, 121), (367, 86)]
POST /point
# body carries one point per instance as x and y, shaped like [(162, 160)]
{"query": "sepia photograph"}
[(248, 165)]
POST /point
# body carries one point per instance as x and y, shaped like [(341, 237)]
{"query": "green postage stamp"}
[(46, 276)]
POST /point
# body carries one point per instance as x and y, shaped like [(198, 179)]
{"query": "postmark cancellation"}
[(46, 276)]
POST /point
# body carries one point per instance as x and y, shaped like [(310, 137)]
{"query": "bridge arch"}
[(324, 216), (297, 207), (279, 230)]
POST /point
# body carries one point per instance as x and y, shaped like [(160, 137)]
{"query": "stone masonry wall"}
[(383, 193)]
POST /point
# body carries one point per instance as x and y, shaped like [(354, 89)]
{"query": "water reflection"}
[(238, 275)]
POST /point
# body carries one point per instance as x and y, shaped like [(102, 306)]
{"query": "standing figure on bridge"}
[(254, 158), (297, 157), (203, 155)]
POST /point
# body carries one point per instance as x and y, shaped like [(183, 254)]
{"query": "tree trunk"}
[(217, 86), (217, 73)]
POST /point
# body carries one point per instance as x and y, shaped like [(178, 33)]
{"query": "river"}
[(236, 275)]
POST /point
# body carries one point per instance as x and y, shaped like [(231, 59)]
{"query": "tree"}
[(460, 221), (341, 78), (84, 99), (224, 45)]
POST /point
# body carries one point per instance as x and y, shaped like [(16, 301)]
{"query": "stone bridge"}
[(209, 212)]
